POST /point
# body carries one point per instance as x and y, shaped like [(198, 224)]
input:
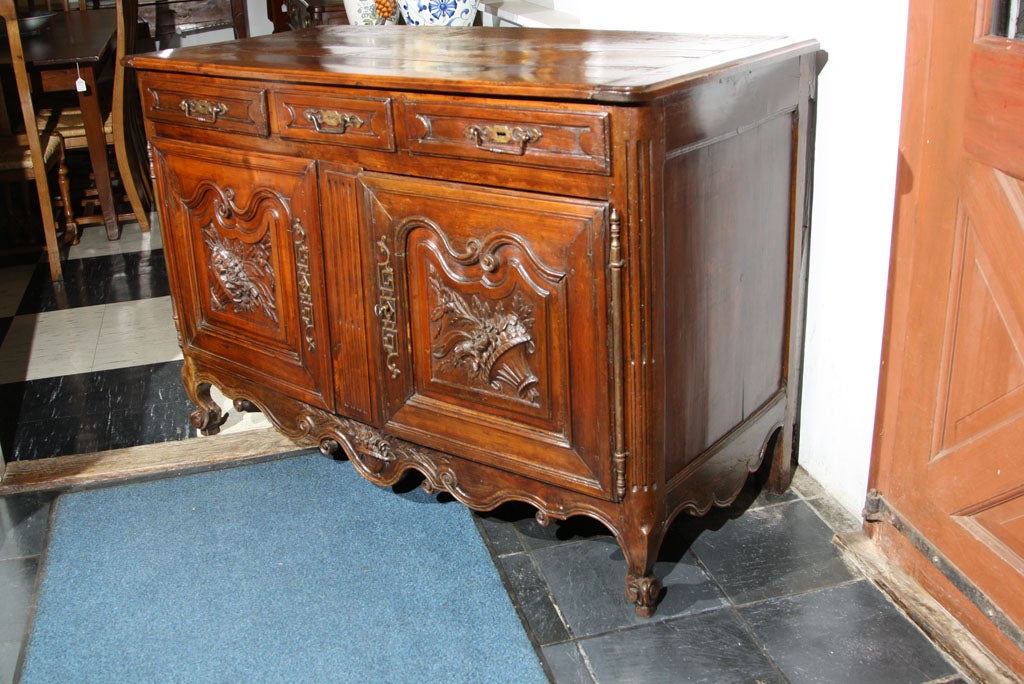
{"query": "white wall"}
[(858, 131), (858, 127)]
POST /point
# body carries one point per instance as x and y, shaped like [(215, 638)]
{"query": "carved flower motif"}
[(478, 336), (244, 275)]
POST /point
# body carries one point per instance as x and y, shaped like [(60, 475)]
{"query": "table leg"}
[(92, 118)]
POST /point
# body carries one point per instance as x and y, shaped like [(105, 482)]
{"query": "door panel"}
[(949, 453), (248, 234), (491, 307)]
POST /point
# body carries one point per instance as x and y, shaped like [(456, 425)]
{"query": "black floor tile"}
[(530, 593), (22, 257), (713, 647), (766, 552), (9, 651), (5, 325), (138, 276), (533, 535), (850, 633), (17, 584), (95, 411), (45, 398), (58, 437), (97, 280), (499, 529), (566, 663), (23, 520), (587, 579), (150, 425), (137, 387)]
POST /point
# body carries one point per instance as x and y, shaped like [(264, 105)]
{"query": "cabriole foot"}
[(644, 593), (207, 421)]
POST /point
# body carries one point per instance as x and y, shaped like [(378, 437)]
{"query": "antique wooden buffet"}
[(561, 267)]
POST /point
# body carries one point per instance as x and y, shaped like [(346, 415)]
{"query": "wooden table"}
[(73, 45)]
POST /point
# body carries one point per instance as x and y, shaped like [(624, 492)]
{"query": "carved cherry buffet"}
[(562, 267)]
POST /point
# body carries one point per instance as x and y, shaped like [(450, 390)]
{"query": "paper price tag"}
[(80, 85)]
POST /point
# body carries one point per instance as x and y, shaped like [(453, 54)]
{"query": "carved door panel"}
[(948, 455), (493, 314), (248, 269)]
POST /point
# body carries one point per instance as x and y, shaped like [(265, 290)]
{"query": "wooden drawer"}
[(207, 104), (185, 16), (312, 115), (573, 140)]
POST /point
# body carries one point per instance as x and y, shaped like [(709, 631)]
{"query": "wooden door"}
[(493, 319), (246, 266), (949, 450)]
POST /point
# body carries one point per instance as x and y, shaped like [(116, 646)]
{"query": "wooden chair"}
[(130, 144), (123, 126), (30, 156)]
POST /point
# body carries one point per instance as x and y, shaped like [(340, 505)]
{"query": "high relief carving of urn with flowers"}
[(439, 12)]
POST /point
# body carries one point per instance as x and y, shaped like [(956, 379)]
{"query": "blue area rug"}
[(295, 570)]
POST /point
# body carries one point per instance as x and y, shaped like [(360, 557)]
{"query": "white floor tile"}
[(13, 281), (94, 241), (237, 421), (136, 333), (50, 344)]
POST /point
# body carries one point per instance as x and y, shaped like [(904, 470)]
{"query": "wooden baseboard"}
[(144, 462), (962, 646)]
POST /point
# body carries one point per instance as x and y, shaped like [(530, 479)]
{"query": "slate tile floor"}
[(755, 593)]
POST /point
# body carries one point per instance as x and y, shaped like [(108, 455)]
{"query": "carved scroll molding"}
[(490, 341), (381, 458), (305, 284), (386, 308)]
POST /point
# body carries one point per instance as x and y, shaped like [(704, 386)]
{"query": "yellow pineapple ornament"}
[(385, 9)]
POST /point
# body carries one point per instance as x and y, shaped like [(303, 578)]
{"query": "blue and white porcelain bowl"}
[(439, 12), (365, 12)]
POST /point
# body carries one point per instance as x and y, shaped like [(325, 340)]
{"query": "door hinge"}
[(615, 265), (875, 508)]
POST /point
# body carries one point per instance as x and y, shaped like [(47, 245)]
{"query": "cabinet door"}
[(244, 253), (492, 308)]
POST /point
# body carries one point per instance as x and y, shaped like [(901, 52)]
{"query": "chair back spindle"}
[(9, 13)]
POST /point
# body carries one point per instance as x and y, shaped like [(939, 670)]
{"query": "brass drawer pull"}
[(502, 139), (326, 121), (203, 110)]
